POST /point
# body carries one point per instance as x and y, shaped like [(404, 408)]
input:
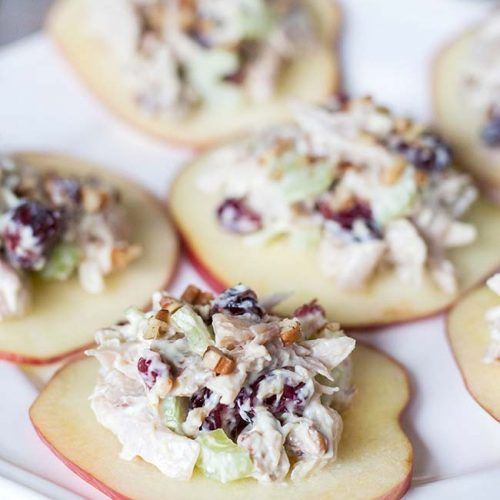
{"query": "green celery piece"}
[(174, 410), (62, 263), (302, 181), (222, 459), (393, 202), (194, 328)]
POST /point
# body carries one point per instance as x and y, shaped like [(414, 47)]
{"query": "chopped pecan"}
[(190, 294), (217, 361), (169, 304), (122, 256), (204, 298), (155, 329), (290, 331), (163, 315), (93, 199), (391, 174)]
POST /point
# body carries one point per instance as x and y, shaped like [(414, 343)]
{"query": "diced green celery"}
[(392, 202), (194, 328), (221, 459), (301, 181), (62, 263), (206, 72), (174, 410)]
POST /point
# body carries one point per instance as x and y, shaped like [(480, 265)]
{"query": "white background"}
[(387, 50)]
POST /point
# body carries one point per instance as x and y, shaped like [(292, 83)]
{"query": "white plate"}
[(388, 47)]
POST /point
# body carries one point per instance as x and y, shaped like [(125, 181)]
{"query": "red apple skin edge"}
[(489, 411), (395, 493), (30, 360), (218, 286)]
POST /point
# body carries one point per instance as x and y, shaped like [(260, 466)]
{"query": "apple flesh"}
[(312, 77), (375, 456), (225, 258), (460, 124), (63, 317), (469, 337)]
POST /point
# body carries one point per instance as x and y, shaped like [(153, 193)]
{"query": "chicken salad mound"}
[(221, 385), (492, 353), (179, 56), (55, 226), (369, 190), (481, 79)]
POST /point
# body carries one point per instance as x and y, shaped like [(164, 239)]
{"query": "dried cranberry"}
[(238, 300), (429, 152), (236, 216), (237, 77), (310, 308), (245, 401), (224, 417), (347, 217), (490, 133), (30, 230), (199, 398), (214, 418), (289, 401), (148, 372)]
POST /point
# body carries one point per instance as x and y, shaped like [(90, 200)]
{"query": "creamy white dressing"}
[(297, 179), (276, 401)]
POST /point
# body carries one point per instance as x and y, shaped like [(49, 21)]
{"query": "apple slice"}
[(224, 258), (311, 78), (375, 456), (469, 336), (63, 317), (458, 123)]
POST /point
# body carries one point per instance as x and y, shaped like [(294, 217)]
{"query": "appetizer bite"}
[(467, 101), (350, 203), (196, 72), (215, 389), (474, 335), (76, 245)]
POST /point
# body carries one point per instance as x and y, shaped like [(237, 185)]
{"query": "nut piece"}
[(204, 298), (121, 257), (190, 294), (163, 315), (217, 361), (391, 174), (155, 329), (165, 387), (421, 177), (93, 199), (169, 304), (290, 331)]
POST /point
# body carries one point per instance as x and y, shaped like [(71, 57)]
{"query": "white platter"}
[(388, 47)]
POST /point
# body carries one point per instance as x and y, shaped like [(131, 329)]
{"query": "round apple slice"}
[(469, 336), (458, 123), (311, 78), (375, 456), (224, 258), (63, 317)]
